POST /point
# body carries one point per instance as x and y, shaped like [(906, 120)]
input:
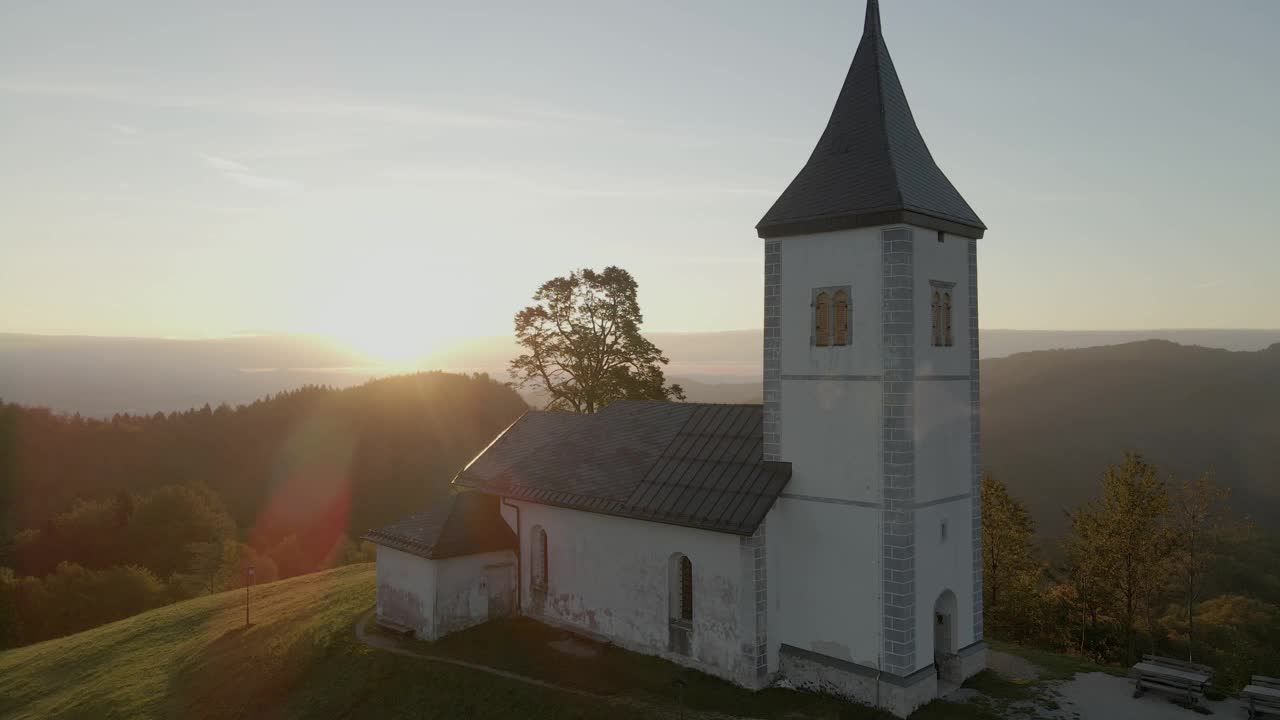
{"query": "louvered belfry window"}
[(686, 589), (936, 314), (946, 312), (940, 313), (842, 318), (822, 320)]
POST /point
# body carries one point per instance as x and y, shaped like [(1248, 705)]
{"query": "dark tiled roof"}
[(871, 166), (464, 523), (686, 464)]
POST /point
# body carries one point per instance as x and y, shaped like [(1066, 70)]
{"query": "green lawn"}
[(1055, 666), (300, 659), (521, 645)]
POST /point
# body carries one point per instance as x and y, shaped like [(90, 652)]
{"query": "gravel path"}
[(1098, 696)]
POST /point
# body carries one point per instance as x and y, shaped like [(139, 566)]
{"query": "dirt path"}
[(1012, 666), (1094, 696), (650, 709)]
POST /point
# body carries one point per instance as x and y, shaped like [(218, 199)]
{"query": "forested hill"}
[(1052, 421), (309, 461)]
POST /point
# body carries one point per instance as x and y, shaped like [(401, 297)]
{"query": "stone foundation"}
[(973, 659), (894, 693)]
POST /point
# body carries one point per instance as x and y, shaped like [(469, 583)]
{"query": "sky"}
[(397, 173)]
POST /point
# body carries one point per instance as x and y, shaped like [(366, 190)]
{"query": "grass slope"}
[(301, 659)]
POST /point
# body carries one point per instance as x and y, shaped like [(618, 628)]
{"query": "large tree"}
[(582, 343), (1198, 517), (1010, 573), (1123, 540)]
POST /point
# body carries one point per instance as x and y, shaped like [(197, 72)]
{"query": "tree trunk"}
[(1191, 619)]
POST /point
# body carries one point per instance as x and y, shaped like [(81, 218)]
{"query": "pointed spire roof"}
[(871, 166)]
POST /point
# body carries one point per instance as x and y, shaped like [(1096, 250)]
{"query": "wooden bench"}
[(393, 626), (1263, 696), (1167, 673)]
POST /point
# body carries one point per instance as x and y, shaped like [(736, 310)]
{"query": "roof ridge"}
[(878, 47)]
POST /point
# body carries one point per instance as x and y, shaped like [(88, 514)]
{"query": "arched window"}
[(680, 588), (936, 310), (842, 317), (686, 589), (946, 312), (538, 570), (822, 320)]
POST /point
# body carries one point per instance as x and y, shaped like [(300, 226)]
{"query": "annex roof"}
[(463, 523), (697, 465), (871, 166)]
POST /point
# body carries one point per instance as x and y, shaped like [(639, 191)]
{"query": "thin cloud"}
[(656, 191), (246, 176), (597, 189), (706, 260), (335, 107)]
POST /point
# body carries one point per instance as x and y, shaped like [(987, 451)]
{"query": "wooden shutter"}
[(842, 318), (822, 320)]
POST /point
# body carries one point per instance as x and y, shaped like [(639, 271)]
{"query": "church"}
[(828, 538)]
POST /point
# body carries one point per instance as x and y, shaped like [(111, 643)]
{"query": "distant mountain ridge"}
[(100, 376), (1053, 420)]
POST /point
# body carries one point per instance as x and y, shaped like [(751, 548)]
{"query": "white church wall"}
[(835, 259), (406, 591), (609, 576), (470, 588), (943, 565), (831, 400), (824, 579), (943, 463), (942, 419), (830, 435)]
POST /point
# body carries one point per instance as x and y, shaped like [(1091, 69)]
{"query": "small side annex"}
[(446, 569), (641, 525)]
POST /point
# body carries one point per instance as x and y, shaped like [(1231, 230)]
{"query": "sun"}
[(398, 314), (387, 343), (383, 328)]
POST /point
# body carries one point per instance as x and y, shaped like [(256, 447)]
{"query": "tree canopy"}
[(582, 343)]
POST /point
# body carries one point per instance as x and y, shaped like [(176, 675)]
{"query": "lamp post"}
[(248, 580), (681, 682)]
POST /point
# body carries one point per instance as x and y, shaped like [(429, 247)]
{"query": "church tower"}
[(871, 393)]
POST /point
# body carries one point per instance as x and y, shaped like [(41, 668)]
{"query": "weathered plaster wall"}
[(407, 590), (609, 576), (830, 400), (471, 587), (824, 541), (942, 439), (943, 445), (824, 579)]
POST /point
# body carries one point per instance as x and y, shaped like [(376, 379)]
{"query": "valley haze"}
[(100, 376)]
